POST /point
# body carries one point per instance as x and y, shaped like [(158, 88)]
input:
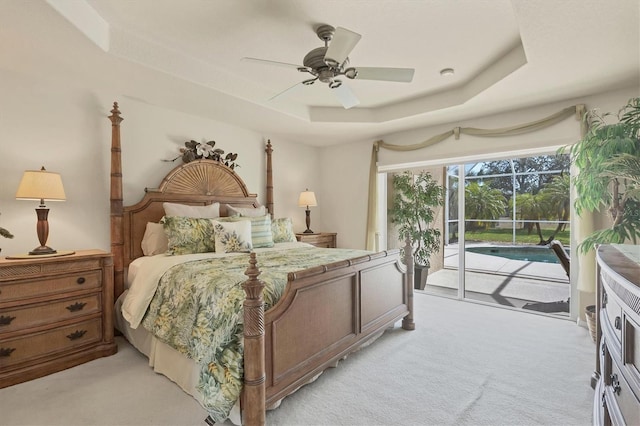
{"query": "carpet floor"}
[(465, 364)]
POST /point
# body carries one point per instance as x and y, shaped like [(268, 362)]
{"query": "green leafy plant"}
[(415, 196), (197, 150), (5, 233), (608, 158)]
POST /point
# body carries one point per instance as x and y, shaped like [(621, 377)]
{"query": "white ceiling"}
[(186, 55)]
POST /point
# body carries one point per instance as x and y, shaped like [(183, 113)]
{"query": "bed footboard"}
[(325, 313)]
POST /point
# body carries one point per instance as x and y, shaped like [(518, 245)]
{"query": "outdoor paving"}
[(500, 265), (500, 280)]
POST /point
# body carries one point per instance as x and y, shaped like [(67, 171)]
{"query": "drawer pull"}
[(618, 323), (615, 383), (6, 320), (76, 334), (81, 280), (6, 352), (76, 307)]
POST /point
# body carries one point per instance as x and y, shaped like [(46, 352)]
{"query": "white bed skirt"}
[(164, 359), (178, 368)]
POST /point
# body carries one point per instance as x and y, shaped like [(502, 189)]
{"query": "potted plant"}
[(608, 159), (415, 196), (5, 234)]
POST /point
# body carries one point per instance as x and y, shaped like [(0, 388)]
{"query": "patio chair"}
[(562, 255)]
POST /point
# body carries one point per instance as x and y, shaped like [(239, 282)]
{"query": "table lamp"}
[(41, 185), (308, 199)]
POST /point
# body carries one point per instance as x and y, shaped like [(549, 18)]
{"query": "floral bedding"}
[(197, 309)]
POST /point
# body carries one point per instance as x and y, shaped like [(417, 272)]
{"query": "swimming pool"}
[(527, 253)]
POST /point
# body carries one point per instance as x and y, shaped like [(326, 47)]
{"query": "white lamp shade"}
[(41, 185), (307, 198)]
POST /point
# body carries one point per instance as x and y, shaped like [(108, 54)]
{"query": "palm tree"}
[(483, 202), (530, 210), (556, 195), (551, 203)]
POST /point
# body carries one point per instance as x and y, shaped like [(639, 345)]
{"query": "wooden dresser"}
[(322, 239), (617, 387), (55, 313)]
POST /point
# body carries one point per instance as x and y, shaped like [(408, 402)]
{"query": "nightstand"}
[(321, 239), (55, 313)]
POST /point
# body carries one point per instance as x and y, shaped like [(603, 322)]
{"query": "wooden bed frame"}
[(325, 313)]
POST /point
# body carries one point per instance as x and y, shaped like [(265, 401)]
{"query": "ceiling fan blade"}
[(267, 62), (346, 97), (285, 91), (403, 75), (341, 45)]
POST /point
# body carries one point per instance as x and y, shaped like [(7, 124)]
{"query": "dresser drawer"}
[(37, 267), (626, 401), (30, 346), (48, 312), (21, 290), (324, 240), (614, 316)]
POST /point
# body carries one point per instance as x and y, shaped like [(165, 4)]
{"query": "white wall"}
[(66, 129), (345, 184)]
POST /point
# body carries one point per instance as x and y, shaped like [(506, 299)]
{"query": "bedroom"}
[(58, 87)]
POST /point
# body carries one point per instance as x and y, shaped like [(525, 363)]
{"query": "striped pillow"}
[(261, 235)]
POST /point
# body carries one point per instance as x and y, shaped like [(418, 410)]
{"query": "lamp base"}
[(308, 231), (42, 250)]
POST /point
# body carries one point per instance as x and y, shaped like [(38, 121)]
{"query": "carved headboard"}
[(200, 182)]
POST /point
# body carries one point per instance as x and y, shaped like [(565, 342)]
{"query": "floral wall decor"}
[(197, 150)]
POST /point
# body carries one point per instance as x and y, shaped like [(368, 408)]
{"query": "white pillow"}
[(154, 240), (246, 211), (210, 211), (232, 237)]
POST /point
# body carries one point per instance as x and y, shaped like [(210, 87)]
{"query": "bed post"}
[(407, 322), (117, 241), (269, 150), (253, 403)]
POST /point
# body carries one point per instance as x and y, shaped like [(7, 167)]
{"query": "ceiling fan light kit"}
[(331, 61)]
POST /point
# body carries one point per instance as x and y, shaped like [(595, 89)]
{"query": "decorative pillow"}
[(246, 211), (154, 240), (282, 230), (261, 235), (184, 210), (233, 236), (188, 235)]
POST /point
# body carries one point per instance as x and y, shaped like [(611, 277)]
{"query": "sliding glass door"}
[(500, 220)]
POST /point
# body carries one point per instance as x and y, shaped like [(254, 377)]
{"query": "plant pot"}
[(420, 277), (590, 313)]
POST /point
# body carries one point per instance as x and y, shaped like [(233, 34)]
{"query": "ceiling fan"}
[(326, 64)]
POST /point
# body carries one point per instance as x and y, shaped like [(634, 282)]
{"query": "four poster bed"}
[(324, 309)]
